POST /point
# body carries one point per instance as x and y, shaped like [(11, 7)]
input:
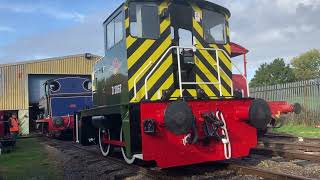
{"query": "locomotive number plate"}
[(116, 89)]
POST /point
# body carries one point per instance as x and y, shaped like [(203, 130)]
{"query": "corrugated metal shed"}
[(14, 77)]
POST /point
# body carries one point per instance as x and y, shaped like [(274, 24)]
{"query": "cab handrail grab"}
[(219, 69), (136, 78)]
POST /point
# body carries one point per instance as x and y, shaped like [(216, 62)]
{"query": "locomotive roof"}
[(202, 3)]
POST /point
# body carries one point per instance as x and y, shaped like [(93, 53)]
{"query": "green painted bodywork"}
[(112, 71)]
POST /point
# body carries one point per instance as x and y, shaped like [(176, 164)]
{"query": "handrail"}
[(154, 68), (245, 78), (217, 57), (135, 79), (179, 69)]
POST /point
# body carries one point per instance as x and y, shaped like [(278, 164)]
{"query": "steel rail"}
[(291, 155), (266, 174), (138, 169), (286, 137), (289, 146)]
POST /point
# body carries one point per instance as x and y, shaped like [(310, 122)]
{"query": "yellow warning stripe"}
[(228, 48), (139, 52), (162, 6), (212, 78), (144, 47), (175, 94), (222, 56), (228, 31), (197, 27), (213, 62), (153, 79), (206, 89), (193, 92), (126, 22), (165, 85), (164, 25), (130, 40), (196, 8), (154, 57)]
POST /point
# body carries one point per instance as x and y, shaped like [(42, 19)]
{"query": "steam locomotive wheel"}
[(130, 159), (106, 149)]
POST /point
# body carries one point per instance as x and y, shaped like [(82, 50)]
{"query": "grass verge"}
[(299, 130), (29, 160)]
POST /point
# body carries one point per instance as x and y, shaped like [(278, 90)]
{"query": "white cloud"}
[(6, 29), (75, 16), (268, 28), (292, 5), (42, 9), (84, 37)]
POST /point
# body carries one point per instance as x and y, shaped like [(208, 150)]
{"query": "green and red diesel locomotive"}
[(164, 90)]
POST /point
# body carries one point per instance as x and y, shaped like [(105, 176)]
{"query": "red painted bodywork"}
[(240, 84), (237, 50), (280, 107), (167, 148), (68, 124), (277, 107), (105, 140)]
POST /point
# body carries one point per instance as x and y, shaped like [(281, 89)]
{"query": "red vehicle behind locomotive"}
[(278, 108)]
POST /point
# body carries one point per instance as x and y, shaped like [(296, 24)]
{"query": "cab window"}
[(114, 31), (110, 35), (144, 20), (214, 27)]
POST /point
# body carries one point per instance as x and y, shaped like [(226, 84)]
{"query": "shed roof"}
[(68, 57)]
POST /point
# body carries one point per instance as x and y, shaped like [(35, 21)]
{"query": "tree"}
[(307, 65), (277, 72)]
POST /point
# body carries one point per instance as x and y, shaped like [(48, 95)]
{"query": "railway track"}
[(93, 164), (290, 138), (266, 174), (89, 157), (289, 147)]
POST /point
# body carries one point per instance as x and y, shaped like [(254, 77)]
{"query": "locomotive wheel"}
[(130, 159), (106, 149)]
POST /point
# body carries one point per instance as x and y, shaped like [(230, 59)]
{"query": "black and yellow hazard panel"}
[(143, 55), (208, 61)]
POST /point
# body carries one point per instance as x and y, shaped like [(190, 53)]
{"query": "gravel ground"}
[(77, 164), (311, 170)]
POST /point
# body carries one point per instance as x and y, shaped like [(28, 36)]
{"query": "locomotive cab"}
[(164, 91), (62, 98)]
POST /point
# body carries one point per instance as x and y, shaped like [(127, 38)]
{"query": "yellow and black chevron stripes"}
[(207, 63), (186, 93), (208, 59), (228, 30), (140, 53)]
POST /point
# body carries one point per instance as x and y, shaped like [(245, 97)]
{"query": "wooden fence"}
[(307, 93)]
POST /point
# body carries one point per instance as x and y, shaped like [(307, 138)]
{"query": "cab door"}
[(214, 69), (181, 14)]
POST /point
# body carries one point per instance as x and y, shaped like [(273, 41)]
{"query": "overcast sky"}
[(35, 29)]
